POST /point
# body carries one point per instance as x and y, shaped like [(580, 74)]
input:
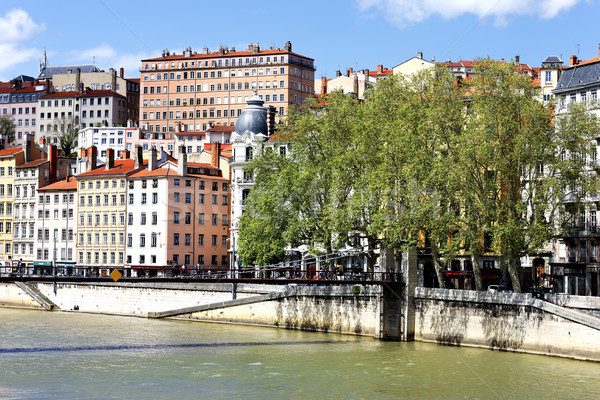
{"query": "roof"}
[(134, 80), (552, 59), (200, 165), (70, 183), (229, 54), (221, 128), (144, 173), (87, 93), (579, 76), (121, 167), (224, 147), (10, 152), (33, 163), (50, 70), (28, 89)]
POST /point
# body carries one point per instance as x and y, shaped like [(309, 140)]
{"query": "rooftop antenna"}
[(577, 44), (94, 59)]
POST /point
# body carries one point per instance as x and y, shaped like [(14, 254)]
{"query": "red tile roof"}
[(221, 128), (224, 147), (69, 183), (144, 173), (10, 152), (200, 165), (33, 163), (121, 167)]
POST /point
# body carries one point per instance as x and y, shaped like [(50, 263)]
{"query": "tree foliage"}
[(7, 128), (461, 168)]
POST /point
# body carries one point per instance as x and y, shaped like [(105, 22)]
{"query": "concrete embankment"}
[(343, 309), (505, 321)]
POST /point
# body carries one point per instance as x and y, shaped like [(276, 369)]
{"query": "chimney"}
[(78, 79), (215, 155), (182, 161), (338, 73), (92, 157), (599, 49), (420, 55), (152, 159), (138, 156), (517, 60), (124, 155), (53, 162), (122, 72), (573, 61), (323, 85), (110, 159), (380, 69), (288, 46), (350, 70), (355, 86), (113, 79), (28, 147)]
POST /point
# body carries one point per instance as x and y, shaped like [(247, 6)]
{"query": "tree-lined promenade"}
[(468, 167)]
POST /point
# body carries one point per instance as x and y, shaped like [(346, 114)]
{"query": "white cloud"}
[(102, 51), (406, 12), (16, 27)]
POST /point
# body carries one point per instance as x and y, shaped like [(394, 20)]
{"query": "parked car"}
[(496, 288)]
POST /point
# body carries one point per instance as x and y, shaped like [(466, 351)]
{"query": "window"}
[(176, 239), (154, 218), (153, 240), (224, 200), (215, 219), (214, 241), (154, 198), (188, 198), (188, 239), (201, 219), (188, 218), (143, 219), (200, 240), (224, 219), (224, 240), (176, 217), (142, 240), (176, 197), (215, 199), (201, 198)]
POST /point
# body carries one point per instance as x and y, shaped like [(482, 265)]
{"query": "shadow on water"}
[(161, 346)]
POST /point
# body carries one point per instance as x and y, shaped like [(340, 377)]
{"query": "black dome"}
[(253, 118)]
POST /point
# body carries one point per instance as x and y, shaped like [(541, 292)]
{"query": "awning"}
[(42, 263)]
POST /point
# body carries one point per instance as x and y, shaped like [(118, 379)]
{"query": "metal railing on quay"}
[(279, 273)]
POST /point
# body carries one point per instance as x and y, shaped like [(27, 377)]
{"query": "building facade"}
[(193, 91), (56, 226)]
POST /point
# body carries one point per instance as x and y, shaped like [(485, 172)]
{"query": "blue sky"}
[(337, 34)]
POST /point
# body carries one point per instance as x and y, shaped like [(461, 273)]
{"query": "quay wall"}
[(341, 309), (504, 321)]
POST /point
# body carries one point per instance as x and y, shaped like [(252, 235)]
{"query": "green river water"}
[(80, 356)]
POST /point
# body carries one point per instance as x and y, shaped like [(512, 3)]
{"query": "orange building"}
[(191, 92)]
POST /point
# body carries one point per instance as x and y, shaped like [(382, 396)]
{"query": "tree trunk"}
[(477, 271), (514, 274), (439, 271)]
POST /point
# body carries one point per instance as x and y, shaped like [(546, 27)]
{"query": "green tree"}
[(7, 128), (66, 134)]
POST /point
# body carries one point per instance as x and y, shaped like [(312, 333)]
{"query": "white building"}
[(56, 227)]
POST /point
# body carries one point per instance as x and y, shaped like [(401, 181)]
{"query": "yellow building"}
[(102, 206), (9, 159)]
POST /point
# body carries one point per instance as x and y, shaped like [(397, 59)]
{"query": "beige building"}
[(353, 83), (413, 65), (549, 76)]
